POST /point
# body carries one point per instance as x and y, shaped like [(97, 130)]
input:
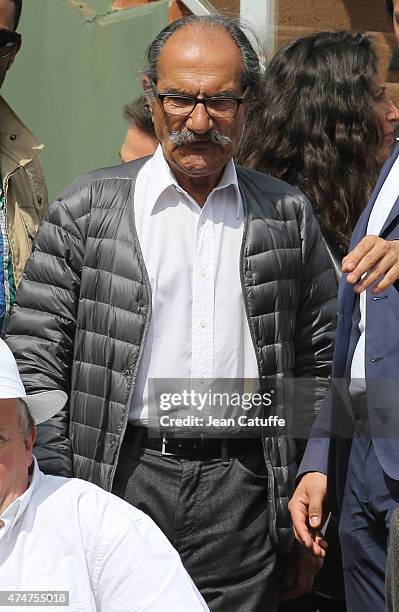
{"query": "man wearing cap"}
[(66, 541)]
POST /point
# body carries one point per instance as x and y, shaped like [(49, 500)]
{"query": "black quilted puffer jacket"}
[(83, 309)]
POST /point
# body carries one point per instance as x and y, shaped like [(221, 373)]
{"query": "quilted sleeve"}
[(316, 323), (41, 327), (317, 307)]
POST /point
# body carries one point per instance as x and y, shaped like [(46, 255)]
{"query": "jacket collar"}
[(18, 146), (361, 227), (346, 296)]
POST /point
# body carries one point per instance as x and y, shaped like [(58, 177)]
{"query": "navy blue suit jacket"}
[(329, 445)]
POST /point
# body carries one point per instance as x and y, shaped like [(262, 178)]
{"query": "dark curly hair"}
[(138, 113), (314, 126)]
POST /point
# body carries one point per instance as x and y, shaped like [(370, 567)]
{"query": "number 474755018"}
[(34, 598)]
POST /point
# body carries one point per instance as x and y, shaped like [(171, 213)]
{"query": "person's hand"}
[(376, 256), (298, 572), (307, 512)]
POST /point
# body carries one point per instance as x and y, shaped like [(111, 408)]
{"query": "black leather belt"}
[(194, 448)]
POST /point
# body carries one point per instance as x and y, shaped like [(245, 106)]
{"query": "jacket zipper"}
[(147, 285), (269, 466)]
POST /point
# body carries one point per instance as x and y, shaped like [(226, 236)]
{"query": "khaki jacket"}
[(23, 184)]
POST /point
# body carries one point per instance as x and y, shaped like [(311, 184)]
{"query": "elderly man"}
[(23, 193), (181, 267), (67, 542)]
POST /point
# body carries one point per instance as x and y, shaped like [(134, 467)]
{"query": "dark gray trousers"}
[(215, 515)]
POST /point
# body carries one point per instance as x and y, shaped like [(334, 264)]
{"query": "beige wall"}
[(301, 17)]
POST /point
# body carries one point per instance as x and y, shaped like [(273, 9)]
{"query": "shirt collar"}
[(15, 510), (158, 167)]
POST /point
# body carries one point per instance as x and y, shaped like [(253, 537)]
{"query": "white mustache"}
[(186, 136)]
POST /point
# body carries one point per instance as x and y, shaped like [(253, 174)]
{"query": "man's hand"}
[(379, 258), (298, 572), (306, 507)]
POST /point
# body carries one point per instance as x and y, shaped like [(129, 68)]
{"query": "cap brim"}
[(45, 405)]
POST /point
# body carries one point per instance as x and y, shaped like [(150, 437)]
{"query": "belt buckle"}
[(163, 447)]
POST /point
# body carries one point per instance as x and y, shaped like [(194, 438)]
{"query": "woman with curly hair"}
[(324, 123)]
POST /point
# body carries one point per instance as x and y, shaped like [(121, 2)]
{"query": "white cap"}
[(42, 406)]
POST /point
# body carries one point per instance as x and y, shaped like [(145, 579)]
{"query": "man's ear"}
[(29, 442), (13, 54), (146, 82), (149, 94)]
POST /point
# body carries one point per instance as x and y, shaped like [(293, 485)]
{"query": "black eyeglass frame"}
[(161, 96), (13, 42)]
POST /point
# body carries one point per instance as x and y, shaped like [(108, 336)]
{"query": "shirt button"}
[(203, 324), (260, 343), (204, 273), (13, 136), (112, 444), (126, 372), (141, 303), (248, 274)]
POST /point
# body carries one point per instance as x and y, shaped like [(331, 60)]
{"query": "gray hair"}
[(252, 68), (25, 418)]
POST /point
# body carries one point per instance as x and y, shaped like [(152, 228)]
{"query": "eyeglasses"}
[(221, 107), (9, 40)]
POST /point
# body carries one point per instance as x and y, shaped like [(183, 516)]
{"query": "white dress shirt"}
[(382, 207), (199, 329), (70, 535)]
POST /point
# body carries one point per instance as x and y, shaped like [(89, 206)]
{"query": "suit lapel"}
[(392, 215), (347, 299), (361, 227)]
